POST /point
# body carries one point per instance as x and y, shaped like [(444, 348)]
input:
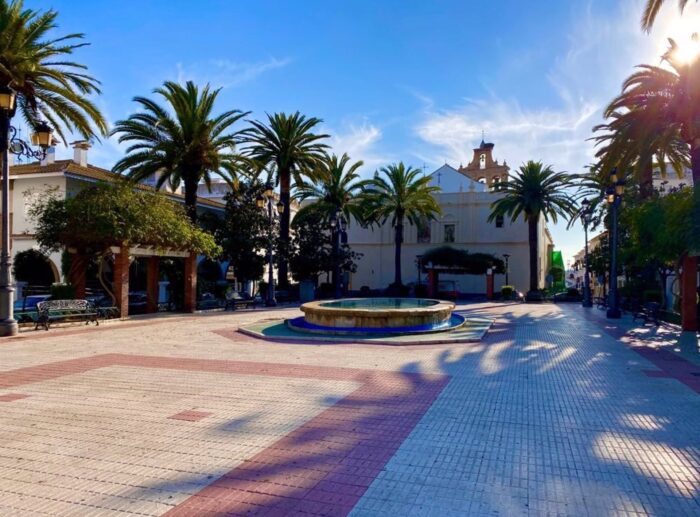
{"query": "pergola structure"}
[(122, 256), (434, 276)]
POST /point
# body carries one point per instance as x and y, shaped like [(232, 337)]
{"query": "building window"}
[(482, 161), (499, 221), (482, 180), (449, 233), (423, 230)]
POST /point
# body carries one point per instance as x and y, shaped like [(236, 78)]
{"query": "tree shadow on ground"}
[(549, 414)]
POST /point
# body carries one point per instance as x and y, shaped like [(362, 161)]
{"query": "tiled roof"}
[(94, 173)]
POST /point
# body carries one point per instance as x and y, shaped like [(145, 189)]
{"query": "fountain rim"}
[(318, 307)]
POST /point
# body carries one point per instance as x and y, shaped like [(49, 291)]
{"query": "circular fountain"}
[(377, 316)]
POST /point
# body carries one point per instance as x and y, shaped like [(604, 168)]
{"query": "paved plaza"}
[(556, 412)]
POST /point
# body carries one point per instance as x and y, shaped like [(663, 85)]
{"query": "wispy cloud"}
[(227, 73), (360, 142)]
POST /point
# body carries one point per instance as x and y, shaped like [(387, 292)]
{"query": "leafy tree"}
[(537, 191), (36, 64), (312, 250), (290, 149), (245, 231), (182, 142), (463, 261), (336, 186), (107, 214), (400, 193), (32, 266)]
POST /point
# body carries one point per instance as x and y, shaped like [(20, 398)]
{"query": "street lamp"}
[(506, 256), (586, 220), (266, 200), (614, 198), (11, 143), (338, 227)]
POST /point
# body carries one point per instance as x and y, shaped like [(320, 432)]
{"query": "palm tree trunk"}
[(191, 199), (646, 184), (532, 238), (398, 239), (282, 265)]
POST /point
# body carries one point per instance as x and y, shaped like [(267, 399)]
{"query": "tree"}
[(651, 10), (183, 142), (537, 191), (311, 249), (288, 147), (400, 193), (245, 231), (106, 215), (336, 186), (671, 97), (37, 66)]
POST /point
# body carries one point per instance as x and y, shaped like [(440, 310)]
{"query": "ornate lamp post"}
[(338, 226), (586, 220), (614, 197), (267, 200), (11, 143), (506, 256)]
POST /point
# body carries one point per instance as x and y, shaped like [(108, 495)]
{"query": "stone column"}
[(120, 286), (152, 290), (489, 284), (190, 298), (77, 274), (689, 310)]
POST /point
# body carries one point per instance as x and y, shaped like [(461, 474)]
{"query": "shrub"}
[(652, 295), (62, 292), (507, 292), (421, 291), (572, 292)]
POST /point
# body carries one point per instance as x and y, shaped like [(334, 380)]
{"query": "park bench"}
[(65, 310), (235, 300), (648, 312)]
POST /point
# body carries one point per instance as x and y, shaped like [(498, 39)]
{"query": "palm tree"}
[(400, 193), (288, 147), (336, 186), (183, 142), (537, 191), (651, 10), (35, 64), (627, 144)]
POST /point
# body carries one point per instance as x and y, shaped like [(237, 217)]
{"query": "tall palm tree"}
[(651, 10), (181, 142), (290, 149), (400, 193), (536, 191), (336, 186), (627, 144), (36, 65)]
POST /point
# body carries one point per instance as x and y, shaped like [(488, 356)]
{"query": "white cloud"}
[(227, 73), (602, 49), (360, 142)]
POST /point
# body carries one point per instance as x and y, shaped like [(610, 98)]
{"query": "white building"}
[(465, 200), (29, 182)]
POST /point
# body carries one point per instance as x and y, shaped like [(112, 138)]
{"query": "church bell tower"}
[(483, 168)]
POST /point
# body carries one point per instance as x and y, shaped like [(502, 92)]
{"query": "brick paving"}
[(556, 412)]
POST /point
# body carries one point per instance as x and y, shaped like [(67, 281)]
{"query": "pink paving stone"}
[(9, 397), (190, 416)]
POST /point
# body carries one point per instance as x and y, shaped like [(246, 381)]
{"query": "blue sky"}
[(393, 80)]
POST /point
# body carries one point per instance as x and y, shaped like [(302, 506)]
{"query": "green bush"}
[(421, 291), (572, 291), (62, 292), (507, 292)]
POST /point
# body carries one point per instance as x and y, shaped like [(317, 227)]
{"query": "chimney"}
[(50, 156), (80, 152)]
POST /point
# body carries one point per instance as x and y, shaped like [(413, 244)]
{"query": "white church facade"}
[(465, 199)]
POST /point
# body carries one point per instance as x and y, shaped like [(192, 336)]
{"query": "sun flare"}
[(684, 32)]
